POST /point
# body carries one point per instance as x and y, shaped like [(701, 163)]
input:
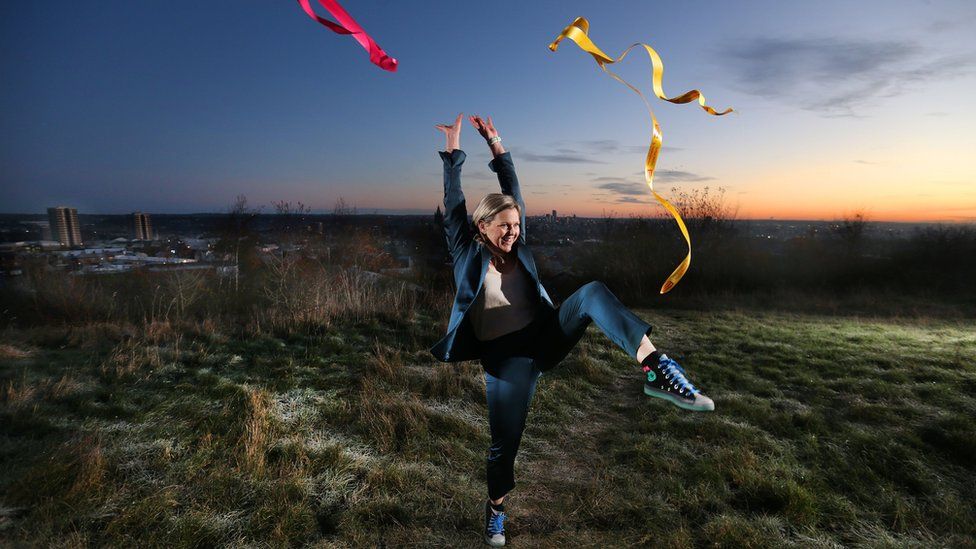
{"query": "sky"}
[(178, 107)]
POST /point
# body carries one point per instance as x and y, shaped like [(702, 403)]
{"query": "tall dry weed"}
[(385, 362), (8, 351), (130, 358), (19, 394), (257, 433), (449, 381), (71, 475), (318, 296), (391, 418), (91, 466)]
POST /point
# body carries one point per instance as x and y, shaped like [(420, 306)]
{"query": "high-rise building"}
[(554, 215), (142, 225), (64, 225)]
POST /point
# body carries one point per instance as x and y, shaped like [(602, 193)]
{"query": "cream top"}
[(505, 303)]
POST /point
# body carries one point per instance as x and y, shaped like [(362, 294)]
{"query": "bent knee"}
[(595, 287)]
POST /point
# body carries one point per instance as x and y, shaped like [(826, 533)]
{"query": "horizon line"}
[(422, 212)]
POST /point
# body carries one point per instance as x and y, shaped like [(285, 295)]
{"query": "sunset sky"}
[(177, 107)]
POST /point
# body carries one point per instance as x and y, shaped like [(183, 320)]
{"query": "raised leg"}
[(593, 302)]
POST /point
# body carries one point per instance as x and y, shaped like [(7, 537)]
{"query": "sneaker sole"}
[(493, 544), (674, 400)]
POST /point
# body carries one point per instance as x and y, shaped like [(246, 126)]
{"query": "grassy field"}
[(827, 432)]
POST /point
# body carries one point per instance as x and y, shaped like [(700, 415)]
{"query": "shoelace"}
[(495, 524), (672, 369)]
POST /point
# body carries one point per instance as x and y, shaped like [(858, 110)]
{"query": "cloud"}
[(559, 158), (631, 200), (602, 146), (676, 176), (481, 175), (474, 174), (625, 188), (642, 149), (837, 76)]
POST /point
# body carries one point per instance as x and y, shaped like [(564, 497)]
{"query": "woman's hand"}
[(487, 130), (453, 133)]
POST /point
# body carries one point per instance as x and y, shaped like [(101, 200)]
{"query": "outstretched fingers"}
[(480, 125), (453, 127)]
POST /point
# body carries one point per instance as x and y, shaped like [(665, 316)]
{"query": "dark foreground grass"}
[(828, 432)]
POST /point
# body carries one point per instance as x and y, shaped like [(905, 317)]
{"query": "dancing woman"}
[(503, 316)]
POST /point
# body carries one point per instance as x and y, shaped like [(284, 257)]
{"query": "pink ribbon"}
[(348, 25)]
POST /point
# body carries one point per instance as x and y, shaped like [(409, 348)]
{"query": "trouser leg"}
[(593, 302), (509, 390)]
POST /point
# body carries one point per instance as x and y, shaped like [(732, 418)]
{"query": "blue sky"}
[(179, 106)]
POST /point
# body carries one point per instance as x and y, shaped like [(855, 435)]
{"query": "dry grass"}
[(385, 363), (451, 381), (316, 416), (8, 351), (21, 393), (90, 466), (391, 418), (131, 358), (317, 298), (258, 432)]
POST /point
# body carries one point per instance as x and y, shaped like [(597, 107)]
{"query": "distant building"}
[(143, 228), (554, 215), (64, 225)]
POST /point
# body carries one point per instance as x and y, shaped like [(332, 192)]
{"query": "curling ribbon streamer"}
[(577, 32), (348, 25)]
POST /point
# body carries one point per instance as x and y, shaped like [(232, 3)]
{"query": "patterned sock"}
[(652, 358)]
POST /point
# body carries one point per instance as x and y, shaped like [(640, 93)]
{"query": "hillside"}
[(827, 432)]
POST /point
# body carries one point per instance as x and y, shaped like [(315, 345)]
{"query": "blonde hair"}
[(490, 206)]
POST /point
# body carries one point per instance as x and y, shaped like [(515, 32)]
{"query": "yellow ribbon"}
[(577, 32)]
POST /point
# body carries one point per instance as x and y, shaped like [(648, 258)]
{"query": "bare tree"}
[(238, 235), (704, 210), (851, 230), (342, 208)]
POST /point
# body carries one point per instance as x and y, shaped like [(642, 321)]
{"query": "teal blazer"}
[(471, 258)]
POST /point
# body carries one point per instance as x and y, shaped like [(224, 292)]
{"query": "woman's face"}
[(503, 230)]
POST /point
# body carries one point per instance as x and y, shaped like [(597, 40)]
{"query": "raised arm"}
[(502, 165), (456, 229)]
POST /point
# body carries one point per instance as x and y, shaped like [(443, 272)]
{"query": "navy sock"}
[(500, 508)]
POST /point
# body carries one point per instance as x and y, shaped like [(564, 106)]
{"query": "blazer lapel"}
[(485, 258)]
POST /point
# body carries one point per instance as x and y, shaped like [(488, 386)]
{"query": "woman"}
[(503, 316)]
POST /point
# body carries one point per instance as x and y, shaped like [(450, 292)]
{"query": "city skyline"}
[(178, 108)]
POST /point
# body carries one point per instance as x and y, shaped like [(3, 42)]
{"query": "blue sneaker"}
[(494, 527), (666, 379)]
